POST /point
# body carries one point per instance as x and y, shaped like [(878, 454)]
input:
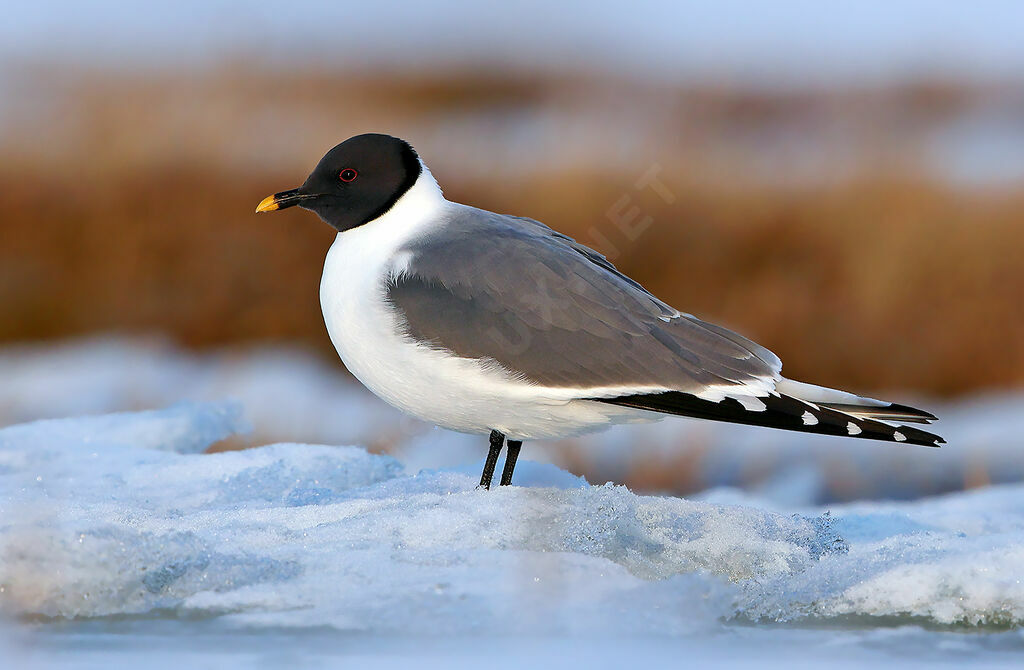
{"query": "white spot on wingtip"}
[(750, 403), (853, 429), (756, 388), (899, 437), (809, 419)]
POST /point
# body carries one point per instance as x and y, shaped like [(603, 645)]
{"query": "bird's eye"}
[(348, 174)]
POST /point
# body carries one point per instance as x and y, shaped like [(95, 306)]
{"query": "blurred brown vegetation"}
[(127, 205)]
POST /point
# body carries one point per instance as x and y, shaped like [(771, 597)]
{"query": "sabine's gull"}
[(497, 325)]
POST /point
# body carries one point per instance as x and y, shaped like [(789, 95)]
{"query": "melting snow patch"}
[(293, 396), (122, 515)]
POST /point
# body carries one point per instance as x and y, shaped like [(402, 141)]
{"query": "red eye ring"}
[(347, 175)]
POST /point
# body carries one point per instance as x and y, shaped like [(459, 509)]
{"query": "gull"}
[(497, 325)]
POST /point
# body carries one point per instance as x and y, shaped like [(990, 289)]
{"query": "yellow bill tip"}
[(268, 204)]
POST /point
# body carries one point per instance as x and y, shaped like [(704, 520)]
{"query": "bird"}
[(498, 325)]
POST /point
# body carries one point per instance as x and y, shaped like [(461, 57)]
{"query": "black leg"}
[(510, 461), (497, 440)]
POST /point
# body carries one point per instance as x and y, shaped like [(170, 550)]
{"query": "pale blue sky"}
[(783, 40)]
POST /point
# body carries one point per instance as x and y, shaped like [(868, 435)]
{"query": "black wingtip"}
[(912, 411), (780, 411), (889, 412)]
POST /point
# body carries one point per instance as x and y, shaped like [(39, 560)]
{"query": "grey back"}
[(557, 313)]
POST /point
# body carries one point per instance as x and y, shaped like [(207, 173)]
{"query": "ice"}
[(287, 392), (124, 516), (185, 428), (291, 395), (957, 560)]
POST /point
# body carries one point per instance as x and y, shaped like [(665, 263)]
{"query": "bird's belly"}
[(467, 395)]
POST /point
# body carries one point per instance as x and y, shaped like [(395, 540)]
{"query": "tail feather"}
[(891, 412), (792, 413), (849, 403)]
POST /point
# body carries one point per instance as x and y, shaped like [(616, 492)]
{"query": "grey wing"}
[(559, 314)]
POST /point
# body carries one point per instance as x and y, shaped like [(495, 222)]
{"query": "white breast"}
[(456, 393)]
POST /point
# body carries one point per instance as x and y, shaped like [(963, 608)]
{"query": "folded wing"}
[(556, 313)]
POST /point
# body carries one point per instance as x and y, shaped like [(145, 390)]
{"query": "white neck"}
[(422, 200), (374, 244)]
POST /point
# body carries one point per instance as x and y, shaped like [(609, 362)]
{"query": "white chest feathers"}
[(461, 394)]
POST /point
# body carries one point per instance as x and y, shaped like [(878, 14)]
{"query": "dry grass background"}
[(127, 205)]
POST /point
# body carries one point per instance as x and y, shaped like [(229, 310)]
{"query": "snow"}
[(291, 395), (124, 515), (288, 393), (121, 534)]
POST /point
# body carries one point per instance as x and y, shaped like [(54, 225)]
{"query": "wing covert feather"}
[(557, 313)]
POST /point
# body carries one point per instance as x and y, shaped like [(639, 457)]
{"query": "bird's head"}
[(355, 182)]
